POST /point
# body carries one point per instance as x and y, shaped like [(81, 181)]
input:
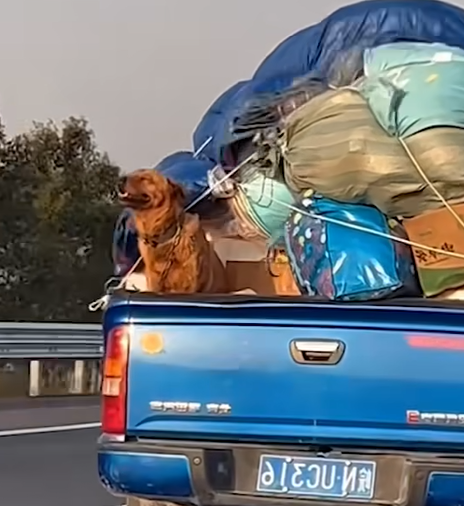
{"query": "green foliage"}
[(58, 212)]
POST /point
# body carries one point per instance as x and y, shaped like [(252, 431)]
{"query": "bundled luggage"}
[(346, 149), (266, 203), (400, 78), (334, 145)]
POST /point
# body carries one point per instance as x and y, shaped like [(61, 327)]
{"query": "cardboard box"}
[(438, 229)]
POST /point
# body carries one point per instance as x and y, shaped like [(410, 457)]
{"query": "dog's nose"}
[(122, 184)]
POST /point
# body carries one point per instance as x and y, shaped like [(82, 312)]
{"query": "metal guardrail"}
[(50, 340), (45, 359)]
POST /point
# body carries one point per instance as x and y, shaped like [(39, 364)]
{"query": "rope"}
[(360, 228), (428, 182), (414, 160), (202, 147)]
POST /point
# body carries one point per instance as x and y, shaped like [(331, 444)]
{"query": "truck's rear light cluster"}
[(114, 385)]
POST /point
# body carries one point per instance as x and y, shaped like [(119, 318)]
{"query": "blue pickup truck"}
[(263, 400), (252, 401)]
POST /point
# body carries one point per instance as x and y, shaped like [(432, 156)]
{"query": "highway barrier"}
[(49, 359)]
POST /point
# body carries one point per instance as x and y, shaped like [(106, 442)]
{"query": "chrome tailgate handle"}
[(317, 351)]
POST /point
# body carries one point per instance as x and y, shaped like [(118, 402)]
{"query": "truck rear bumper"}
[(221, 474)]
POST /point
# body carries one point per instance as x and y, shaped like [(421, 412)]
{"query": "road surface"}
[(50, 468)]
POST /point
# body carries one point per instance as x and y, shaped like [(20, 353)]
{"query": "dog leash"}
[(169, 263)]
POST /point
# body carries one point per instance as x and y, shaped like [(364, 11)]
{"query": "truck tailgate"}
[(293, 371)]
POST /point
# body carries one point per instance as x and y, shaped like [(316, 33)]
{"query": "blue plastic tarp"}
[(364, 24), (189, 172), (218, 121), (320, 48), (214, 121), (170, 160)]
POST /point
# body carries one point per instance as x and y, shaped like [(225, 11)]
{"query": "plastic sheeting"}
[(189, 172), (174, 158), (366, 24), (216, 125), (335, 262), (402, 77), (214, 122)]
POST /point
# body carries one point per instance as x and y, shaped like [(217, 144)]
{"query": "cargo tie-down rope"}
[(101, 303)]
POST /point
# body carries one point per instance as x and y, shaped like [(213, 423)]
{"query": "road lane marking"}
[(45, 430)]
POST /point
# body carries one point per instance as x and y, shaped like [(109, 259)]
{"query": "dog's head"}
[(148, 190)]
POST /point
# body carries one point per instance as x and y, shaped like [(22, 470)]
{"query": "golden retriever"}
[(176, 254)]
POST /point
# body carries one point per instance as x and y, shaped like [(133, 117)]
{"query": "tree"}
[(58, 212)]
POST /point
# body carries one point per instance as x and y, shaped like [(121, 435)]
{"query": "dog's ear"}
[(177, 192)]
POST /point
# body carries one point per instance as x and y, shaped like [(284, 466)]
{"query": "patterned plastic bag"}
[(337, 262)]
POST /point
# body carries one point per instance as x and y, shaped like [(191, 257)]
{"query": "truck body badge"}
[(211, 408), (414, 417)]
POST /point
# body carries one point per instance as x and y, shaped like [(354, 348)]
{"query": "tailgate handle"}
[(317, 351)]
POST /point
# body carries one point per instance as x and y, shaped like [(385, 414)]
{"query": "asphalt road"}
[(54, 468), (42, 412)]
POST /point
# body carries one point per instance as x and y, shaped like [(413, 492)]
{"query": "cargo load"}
[(334, 145), (336, 110)]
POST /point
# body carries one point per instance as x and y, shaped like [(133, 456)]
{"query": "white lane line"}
[(44, 430)]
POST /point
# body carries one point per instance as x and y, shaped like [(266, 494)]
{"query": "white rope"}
[(360, 228), (202, 147), (429, 183)]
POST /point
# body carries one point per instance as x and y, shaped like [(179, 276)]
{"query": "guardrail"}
[(46, 359)]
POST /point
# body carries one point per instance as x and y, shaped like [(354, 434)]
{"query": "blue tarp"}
[(189, 172), (218, 121), (323, 46), (365, 24), (214, 121), (170, 160)]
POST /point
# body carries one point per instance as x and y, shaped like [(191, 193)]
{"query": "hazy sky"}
[(142, 71)]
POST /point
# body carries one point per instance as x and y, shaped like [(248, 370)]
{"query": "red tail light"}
[(114, 385)]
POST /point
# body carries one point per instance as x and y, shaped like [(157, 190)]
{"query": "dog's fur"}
[(177, 256)]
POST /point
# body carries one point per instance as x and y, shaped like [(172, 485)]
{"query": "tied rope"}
[(367, 230), (429, 183)]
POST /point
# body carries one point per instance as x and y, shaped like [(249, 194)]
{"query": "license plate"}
[(318, 477)]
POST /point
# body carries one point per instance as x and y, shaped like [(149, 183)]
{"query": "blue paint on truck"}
[(213, 394)]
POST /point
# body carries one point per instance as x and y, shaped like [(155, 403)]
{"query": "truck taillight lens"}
[(114, 384)]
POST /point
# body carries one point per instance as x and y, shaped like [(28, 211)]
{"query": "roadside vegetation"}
[(57, 214)]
